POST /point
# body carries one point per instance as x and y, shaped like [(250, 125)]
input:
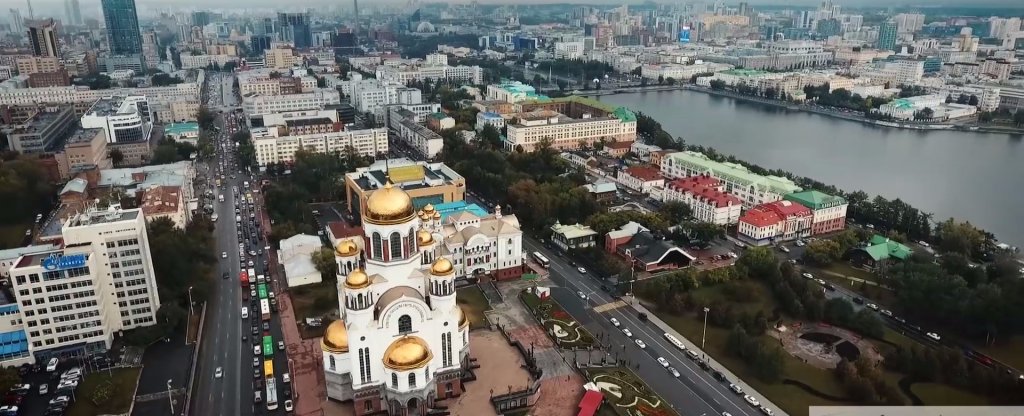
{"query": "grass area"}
[(1010, 352), (119, 392), (791, 399), (11, 236), (846, 269), (313, 301), (635, 398), (881, 295), (935, 394), (473, 301), (567, 332)]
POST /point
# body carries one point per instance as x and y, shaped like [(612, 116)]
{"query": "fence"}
[(195, 362)]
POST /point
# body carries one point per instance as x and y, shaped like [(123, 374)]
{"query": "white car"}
[(640, 344), (614, 322), (581, 295), (820, 281), (934, 336), (286, 378), (751, 400), (581, 270), (767, 411), (673, 372), (627, 332), (288, 406), (223, 254), (256, 350), (218, 373), (886, 312), (44, 388), (663, 362), (872, 306), (735, 389), (807, 276)]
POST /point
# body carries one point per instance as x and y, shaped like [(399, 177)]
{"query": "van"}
[(51, 366), (245, 312)]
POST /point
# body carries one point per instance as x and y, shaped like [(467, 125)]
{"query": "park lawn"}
[(846, 269), (791, 399), (935, 394), (312, 301), (641, 391), (122, 387), (763, 300), (473, 301), (1010, 352), (11, 236)]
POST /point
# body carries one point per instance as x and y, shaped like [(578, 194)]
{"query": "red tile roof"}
[(644, 173), (341, 229), (705, 188), (760, 218), (161, 200), (786, 209)]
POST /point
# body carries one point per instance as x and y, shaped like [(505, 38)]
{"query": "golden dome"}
[(335, 338), (463, 319), (407, 353), (357, 279), (442, 267), (424, 237), (346, 248), (424, 216), (429, 208), (389, 205)]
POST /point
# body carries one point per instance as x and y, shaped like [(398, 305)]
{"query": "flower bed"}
[(626, 394), (559, 325)]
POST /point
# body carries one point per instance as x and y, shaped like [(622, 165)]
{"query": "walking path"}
[(710, 360)]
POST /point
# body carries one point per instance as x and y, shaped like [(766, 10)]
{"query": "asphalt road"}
[(223, 344), (695, 391)]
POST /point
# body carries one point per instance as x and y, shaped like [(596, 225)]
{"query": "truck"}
[(265, 309)]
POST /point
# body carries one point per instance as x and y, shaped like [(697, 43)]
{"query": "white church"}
[(402, 341)]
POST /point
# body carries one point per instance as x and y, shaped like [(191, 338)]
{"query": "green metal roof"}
[(733, 172), (882, 248), (816, 200)]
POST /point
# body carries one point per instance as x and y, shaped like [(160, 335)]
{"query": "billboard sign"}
[(684, 35), (60, 262)]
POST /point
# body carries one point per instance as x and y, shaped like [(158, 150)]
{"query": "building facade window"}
[(404, 324), (377, 247), (394, 380), (395, 250)]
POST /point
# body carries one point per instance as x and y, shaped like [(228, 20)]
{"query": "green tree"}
[(205, 118), (490, 136), (323, 260), (822, 252), (675, 212), (961, 237), (116, 156)]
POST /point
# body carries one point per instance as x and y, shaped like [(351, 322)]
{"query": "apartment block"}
[(706, 198), (85, 149), (75, 300), (568, 122), (271, 147), (43, 131)]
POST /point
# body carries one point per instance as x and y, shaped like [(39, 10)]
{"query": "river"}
[(977, 177)]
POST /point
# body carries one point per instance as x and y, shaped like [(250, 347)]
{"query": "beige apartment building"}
[(85, 148), (38, 64)]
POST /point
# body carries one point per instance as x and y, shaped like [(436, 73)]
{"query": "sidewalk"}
[(710, 360)]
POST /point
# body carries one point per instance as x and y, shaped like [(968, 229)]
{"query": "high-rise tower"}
[(42, 34), (123, 35)]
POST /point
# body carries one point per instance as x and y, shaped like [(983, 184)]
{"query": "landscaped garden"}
[(565, 331), (626, 394), (104, 393)]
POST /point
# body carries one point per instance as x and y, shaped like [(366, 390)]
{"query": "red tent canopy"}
[(590, 403)]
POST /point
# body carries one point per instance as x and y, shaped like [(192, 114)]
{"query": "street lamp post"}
[(705, 333), (169, 401), (190, 301)]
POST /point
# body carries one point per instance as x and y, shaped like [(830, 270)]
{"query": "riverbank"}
[(814, 110)]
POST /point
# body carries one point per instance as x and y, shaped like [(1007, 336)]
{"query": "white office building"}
[(74, 300), (263, 104), (271, 148), (123, 119)]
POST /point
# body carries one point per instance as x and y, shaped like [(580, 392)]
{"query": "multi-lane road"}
[(227, 340), (696, 390)]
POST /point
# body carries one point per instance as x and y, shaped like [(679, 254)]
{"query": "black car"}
[(255, 330), (256, 373), (266, 326), (858, 301), (224, 276)]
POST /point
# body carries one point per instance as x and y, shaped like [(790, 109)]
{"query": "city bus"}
[(268, 346), (265, 309), (261, 290), (271, 393), (540, 259)]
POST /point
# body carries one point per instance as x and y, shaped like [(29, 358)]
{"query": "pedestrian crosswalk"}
[(609, 306), (131, 357)]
